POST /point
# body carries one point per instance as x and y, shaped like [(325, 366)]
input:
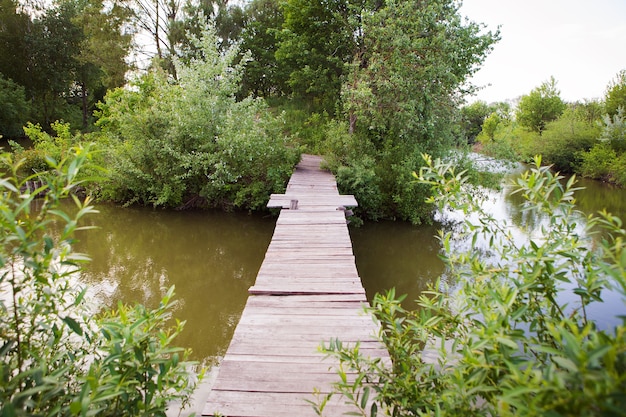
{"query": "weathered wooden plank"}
[(305, 281), (265, 316), (330, 300), (247, 404), (305, 359), (305, 199), (333, 254), (323, 327), (305, 383), (322, 308), (310, 271), (335, 259), (268, 290), (282, 351)]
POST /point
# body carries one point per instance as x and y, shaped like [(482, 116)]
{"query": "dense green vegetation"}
[(59, 357), (492, 338), (584, 137), (218, 120), (191, 142)]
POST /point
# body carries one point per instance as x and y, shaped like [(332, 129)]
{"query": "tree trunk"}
[(84, 99), (352, 122)]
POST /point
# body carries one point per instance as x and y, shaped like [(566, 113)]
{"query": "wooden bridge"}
[(307, 291)]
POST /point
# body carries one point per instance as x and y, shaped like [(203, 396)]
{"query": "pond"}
[(212, 258)]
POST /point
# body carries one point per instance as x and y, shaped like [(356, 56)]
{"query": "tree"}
[(14, 109), (472, 119), (263, 75), (161, 21), (316, 41), (15, 25), (66, 56), (499, 342), (490, 125), (169, 24), (102, 56), (615, 96), (401, 97), (541, 106)]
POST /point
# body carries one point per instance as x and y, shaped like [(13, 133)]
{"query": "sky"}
[(582, 43)]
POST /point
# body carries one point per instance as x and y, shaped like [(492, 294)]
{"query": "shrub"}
[(45, 146), (597, 162), (191, 142), (614, 130), (619, 170), (501, 343), (58, 357), (564, 139)]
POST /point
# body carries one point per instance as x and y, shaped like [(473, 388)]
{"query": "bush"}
[(619, 170), (15, 110), (614, 130), (192, 142), (598, 161), (564, 139), (58, 356), (500, 342)]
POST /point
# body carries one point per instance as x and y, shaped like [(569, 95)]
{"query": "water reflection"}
[(597, 196), (397, 255), (211, 257)]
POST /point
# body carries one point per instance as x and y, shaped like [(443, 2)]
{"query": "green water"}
[(212, 258)]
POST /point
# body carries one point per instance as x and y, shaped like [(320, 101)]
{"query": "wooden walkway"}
[(308, 291)]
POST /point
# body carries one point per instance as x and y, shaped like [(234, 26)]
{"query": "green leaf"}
[(365, 397), (73, 324), (75, 407), (374, 410), (565, 363)]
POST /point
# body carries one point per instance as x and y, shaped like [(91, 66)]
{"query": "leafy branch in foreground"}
[(501, 342), (56, 357)]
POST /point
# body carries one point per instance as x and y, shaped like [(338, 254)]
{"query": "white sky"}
[(582, 43)]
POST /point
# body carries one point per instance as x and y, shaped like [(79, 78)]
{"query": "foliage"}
[(500, 149), (590, 111), (57, 357), (101, 59), (137, 366), (615, 96), (45, 146), (263, 75), (490, 125), (65, 56), (541, 106), (14, 48), (606, 160), (472, 119), (614, 131), (598, 161), (53, 61), (15, 109), (400, 97), (563, 139), (191, 142), (501, 342), (316, 41)]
